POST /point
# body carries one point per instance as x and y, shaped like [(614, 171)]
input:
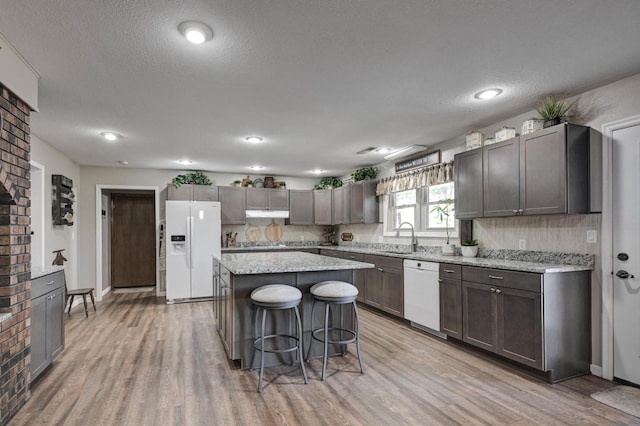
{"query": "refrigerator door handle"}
[(188, 245)]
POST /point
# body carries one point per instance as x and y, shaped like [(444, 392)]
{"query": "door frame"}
[(100, 292), (606, 259)]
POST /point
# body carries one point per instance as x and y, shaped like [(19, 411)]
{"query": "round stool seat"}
[(334, 291), (278, 296)]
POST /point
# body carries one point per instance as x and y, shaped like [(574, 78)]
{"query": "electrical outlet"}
[(301, 237), (522, 244), (592, 236)]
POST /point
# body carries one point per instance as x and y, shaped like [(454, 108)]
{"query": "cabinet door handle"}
[(50, 282), (493, 290), (380, 269), (515, 211), (449, 271), (439, 280), (498, 291), (495, 277), (520, 211)]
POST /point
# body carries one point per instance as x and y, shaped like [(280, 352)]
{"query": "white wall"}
[(92, 176), (58, 237)]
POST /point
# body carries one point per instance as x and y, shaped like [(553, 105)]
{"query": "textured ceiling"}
[(319, 80)]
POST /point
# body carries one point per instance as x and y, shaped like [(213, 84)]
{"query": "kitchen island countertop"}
[(281, 262)]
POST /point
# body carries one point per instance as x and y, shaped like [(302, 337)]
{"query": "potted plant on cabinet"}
[(364, 173), (237, 183), (196, 178), (553, 110), (443, 211), (249, 183), (470, 248)]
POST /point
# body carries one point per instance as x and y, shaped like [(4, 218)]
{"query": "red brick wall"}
[(15, 254)]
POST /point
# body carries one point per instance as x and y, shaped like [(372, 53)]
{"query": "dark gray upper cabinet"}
[(322, 206), (468, 184), (232, 205), (192, 193), (267, 199), (501, 178), (342, 205), (545, 172), (363, 202), (300, 207), (554, 170)]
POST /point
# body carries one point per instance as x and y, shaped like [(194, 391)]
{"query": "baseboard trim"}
[(596, 370)]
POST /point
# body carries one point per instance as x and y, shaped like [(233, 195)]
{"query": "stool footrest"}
[(334, 329), (257, 343)]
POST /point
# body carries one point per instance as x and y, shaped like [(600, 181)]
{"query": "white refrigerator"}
[(193, 236)]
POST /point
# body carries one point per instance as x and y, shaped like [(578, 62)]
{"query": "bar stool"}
[(274, 297), (334, 293)]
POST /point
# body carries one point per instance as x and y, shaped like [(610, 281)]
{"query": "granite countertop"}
[(267, 263), (514, 260), (39, 271)]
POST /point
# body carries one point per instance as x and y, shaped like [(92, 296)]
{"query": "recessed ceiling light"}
[(110, 136), (123, 162), (185, 162), (195, 32), (382, 150), (488, 94), (253, 139), (256, 167), (317, 171)]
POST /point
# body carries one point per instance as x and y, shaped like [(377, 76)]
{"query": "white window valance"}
[(431, 175)]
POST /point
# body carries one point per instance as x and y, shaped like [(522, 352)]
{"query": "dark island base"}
[(283, 322)]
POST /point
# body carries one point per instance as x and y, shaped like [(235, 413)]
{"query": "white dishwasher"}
[(422, 295)]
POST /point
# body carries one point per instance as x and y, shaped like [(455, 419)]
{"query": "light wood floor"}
[(138, 361)]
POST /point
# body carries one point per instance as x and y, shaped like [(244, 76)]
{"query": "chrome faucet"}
[(414, 240)]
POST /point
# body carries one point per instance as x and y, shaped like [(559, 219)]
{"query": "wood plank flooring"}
[(138, 361)]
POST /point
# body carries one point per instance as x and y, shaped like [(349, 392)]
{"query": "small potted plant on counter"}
[(470, 248)]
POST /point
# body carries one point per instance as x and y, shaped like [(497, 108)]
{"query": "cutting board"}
[(273, 232), (253, 234)]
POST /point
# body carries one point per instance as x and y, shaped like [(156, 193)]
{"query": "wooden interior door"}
[(133, 239)]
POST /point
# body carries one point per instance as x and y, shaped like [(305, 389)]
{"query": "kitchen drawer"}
[(46, 283), (330, 252), (448, 270), (358, 257), (384, 261), (498, 277)]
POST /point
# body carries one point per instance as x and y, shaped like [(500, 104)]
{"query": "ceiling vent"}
[(366, 150)]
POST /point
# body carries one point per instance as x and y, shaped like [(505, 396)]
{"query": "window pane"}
[(404, 214), (441, 192), (405, 198), (439, 219)]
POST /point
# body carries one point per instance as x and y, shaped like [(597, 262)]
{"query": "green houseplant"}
[(364, 174), (196, 178), (469, 248), (442, 212), (328, 183), (237, 182), (553, 110)]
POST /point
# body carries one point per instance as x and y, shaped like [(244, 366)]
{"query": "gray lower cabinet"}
[(47, 321), (450, 280), (384, 284), (232, 205), (300, 207), (322, 207), (538, 320)]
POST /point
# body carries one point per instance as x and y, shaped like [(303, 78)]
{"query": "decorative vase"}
[(448, 249), (549, 123), (469, 251)]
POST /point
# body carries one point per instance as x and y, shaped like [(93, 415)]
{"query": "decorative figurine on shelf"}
[(329, 232), (60, 259)]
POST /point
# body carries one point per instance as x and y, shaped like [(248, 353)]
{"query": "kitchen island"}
[(235, 276)]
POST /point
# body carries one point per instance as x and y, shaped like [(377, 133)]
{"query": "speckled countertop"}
[(514, 260), (268, 263), (37, 272)]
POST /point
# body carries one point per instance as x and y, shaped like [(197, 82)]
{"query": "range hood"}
[(282, 214)]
